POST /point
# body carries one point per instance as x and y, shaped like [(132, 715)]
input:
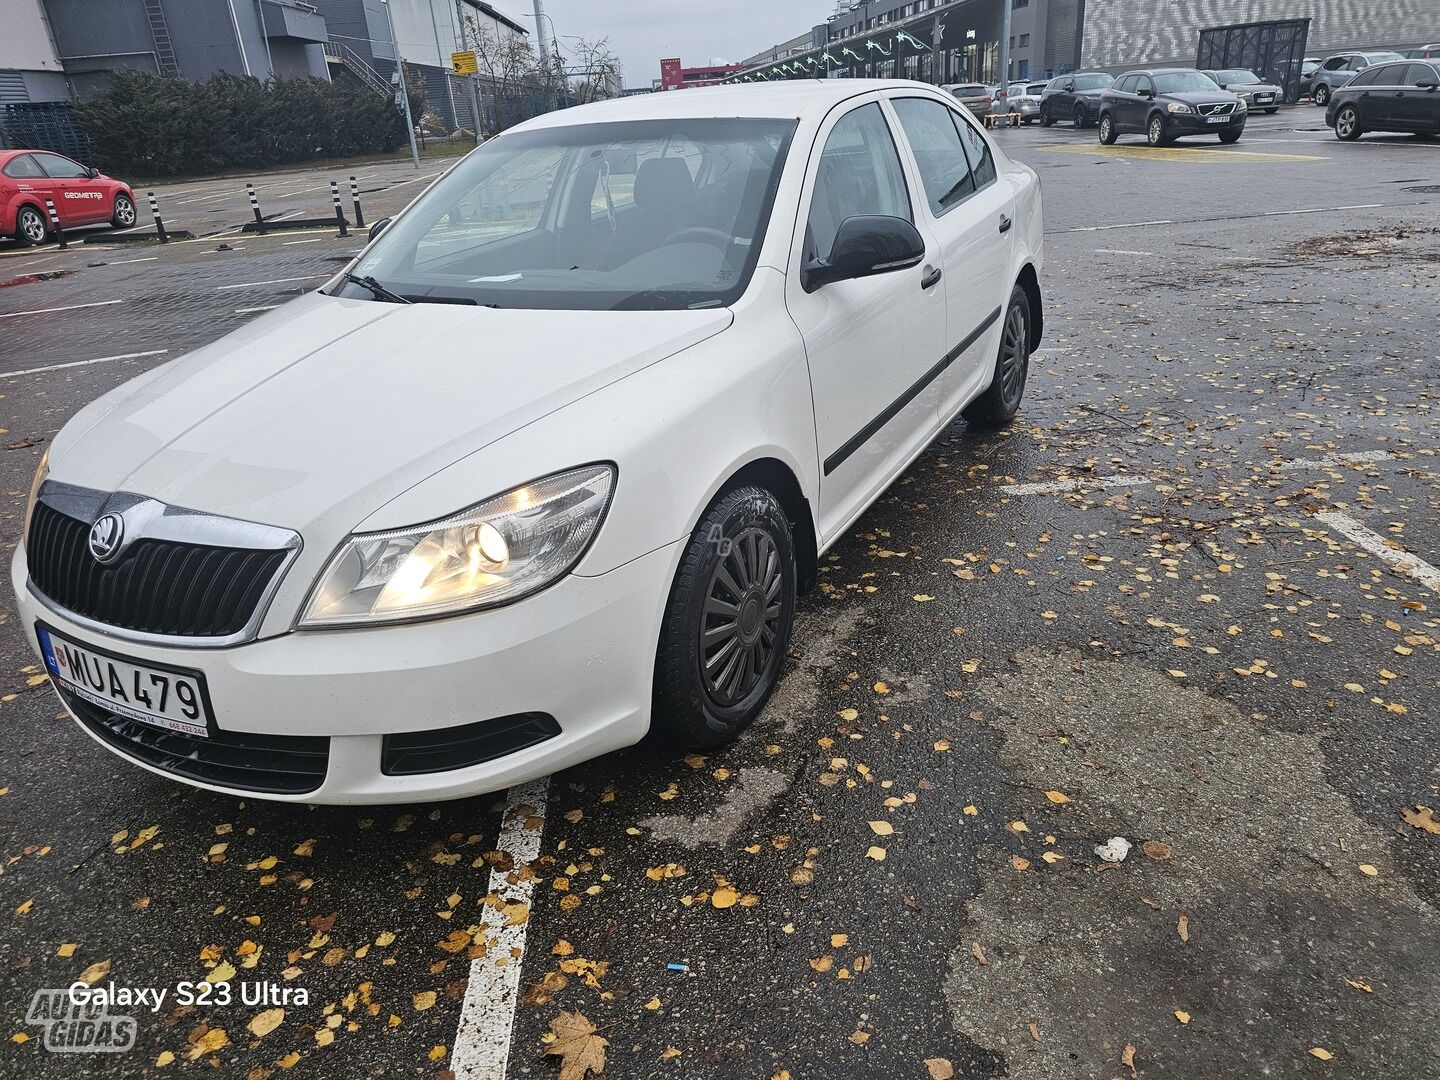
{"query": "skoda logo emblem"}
[(105, 537)]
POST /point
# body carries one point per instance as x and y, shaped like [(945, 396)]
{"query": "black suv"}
[(1164, 104), (1073, 97)]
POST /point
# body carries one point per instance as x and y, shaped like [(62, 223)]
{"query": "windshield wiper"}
[(375, 289)]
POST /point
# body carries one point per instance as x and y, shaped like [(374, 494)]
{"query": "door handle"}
[(932, 278), (1005, 223)]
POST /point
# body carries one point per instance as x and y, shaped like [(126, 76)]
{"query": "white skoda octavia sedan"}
[(549, 463)]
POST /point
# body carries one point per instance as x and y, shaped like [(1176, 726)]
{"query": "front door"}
[(971, 215), (870, 342), (1417, 108), (78, 199)]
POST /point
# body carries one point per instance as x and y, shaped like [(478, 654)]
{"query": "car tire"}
[(1347, 123), (1000, 404), (1229, 138), (1108, 134), (1045, 120), (1155, 133), (1081, 119), (123, 215), (31, 228), (1321, 95), (1271, 112), (740, 560)]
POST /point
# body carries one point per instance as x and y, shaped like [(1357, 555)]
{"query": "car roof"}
[(1157, 71), (790, 98)]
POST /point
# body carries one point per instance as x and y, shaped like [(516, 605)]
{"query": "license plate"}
[(1217, 119), (1264, 99), (163, 697)]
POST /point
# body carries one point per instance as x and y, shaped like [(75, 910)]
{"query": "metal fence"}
[(43, 125), (1273, 50)]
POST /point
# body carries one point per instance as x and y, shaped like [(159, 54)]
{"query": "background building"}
[(676, 76), (29, 68), (950, 41)]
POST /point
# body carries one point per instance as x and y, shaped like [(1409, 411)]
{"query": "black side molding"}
[(839, 457)]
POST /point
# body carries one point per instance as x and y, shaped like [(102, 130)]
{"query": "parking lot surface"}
[(1188, 600)]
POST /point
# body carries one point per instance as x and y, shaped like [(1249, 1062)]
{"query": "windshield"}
[(641, 215), (1242, 78), (1093, 82), (1382, 58), (1179, 82)]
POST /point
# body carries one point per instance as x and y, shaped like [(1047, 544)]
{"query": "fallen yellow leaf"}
[(575, 1042), (882, 828), (1182, 1016), (1321, 1053), (1057, 797), (262, 1023), (876, 853)]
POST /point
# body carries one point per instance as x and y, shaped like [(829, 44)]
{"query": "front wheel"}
[(1108, 134), (727, 626), (30, 227), (1045, 120), (1155, 133), (1347, 123), (1271, 112), (1081, 120), (124, 214), (1229, 137), (1321, 95), (999, 405)]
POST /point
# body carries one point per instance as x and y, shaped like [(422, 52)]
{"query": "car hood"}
[(1252, 88), (316, 415), (1201, 97)]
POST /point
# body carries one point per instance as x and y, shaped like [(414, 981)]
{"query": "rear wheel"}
[(999, 404), (1322, 95), (1347, 123), (1108, 134), (1155, 133), (30, 226), (726, 629), (124, 215)]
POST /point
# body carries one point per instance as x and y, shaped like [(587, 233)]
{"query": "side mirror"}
[(1428, 84), (1069, 87), (93, 173), (378, 227), (865, 246)]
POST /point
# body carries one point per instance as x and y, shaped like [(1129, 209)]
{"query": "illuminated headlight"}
[(40, 474), (1180, 107), (494, 553)]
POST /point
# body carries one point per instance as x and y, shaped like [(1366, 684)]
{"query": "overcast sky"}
[(697, 31)]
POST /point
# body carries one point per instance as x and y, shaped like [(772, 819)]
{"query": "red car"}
[(83, 196)]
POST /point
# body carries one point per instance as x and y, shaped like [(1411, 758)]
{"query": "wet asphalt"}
[(894, 872)]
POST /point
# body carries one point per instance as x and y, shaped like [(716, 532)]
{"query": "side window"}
[(1127, 84), (1335, 63), (982, 163), (859, 174), (944, 169), (1358, 63), (59, 168), (23, 167), (1420, 73), (1368, 77), (1145, 85)]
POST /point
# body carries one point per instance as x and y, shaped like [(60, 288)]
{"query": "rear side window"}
[(944, 169), (982, 163), (1369, 77), (859, 174), (1127, 84), (1421, 73), (1335, 63), (23, 167)]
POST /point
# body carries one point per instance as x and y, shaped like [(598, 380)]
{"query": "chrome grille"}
[(1219, 109)]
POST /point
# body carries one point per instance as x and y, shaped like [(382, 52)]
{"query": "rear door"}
[(79, 199), (1369, 97), (870, 342), (1417, 108), (971, 215)]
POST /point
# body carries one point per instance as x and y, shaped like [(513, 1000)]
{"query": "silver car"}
[(1339, 69), (1249, 88), (977, 97), (1024, 98)]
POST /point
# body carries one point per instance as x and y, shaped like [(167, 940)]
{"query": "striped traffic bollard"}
[(339, 214), (355, 200), (159, 222), (55, 222), (255, 206)]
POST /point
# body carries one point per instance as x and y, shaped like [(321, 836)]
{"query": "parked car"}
[(1249, 88), (1024, 98), (1308, 67), (1168, 103), (82, 195), (539, 559), (1403, 97), (1425, 52), (1074, 97), (977, 97), (1335, 71)]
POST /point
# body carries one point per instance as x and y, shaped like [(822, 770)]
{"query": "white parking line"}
[(1117, 251), (82, 363), (1127, 225), (124, 262), (315, 240), (1333, 460), (50, 310), (1062, 487), (1403, 562), (487, 1016), (1323, 210), (272, 281)]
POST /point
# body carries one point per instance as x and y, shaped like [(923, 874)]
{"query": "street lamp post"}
[(543, 45), (1002, 96), (404, 90)]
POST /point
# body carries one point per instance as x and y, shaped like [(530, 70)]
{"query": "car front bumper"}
[(581, 652), (1196, 124)]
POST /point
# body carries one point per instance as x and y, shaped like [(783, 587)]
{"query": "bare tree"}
[(595, 71)]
